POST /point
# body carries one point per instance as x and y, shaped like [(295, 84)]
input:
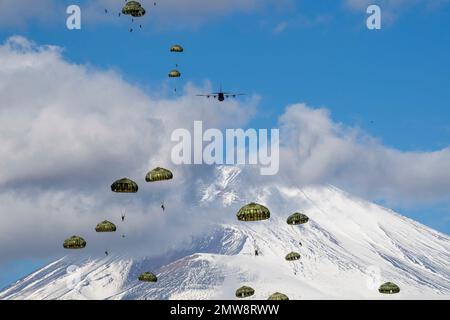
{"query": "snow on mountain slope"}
[(348, 248)]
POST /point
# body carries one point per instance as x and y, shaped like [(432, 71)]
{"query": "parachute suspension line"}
[(133, 9), (255, 247), (175, 49), (125, 206), (294, 268), (159, 174)]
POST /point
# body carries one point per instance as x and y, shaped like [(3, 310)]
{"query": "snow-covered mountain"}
[(348, 248)]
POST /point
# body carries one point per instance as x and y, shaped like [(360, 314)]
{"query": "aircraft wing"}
[(233, 94), (206, 95)]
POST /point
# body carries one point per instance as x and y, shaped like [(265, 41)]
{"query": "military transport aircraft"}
[(221, 96)]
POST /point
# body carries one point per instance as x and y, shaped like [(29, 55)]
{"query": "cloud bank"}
[(319, 150)]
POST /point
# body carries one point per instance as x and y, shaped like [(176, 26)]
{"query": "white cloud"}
[(68, 131), (302, 21), (280, 27), (167, 14), (318, 150), (392, 9), (388, 4), (18, 13), (179, 15)]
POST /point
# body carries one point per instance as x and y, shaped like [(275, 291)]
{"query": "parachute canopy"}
[(244, 292), (297, 218), (176, 48), (133, 8), (74, 242), (158, 174), (124, 185), (148, 277), (253, 212), (389, 288), (174, 74), (105, 226), (278, 296), (293, 256)]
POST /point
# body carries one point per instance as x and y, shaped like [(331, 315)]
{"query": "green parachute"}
[(297, 218), (124, 185), (389, 288), (278, 296), (148, 277), (134, 9), (176, 48), (74, 242), (105, 226), (174, 74), (253, 212), (158, 174), (292, 256), (244, 292)]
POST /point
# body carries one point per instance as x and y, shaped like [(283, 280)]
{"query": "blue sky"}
[(392, 83)]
